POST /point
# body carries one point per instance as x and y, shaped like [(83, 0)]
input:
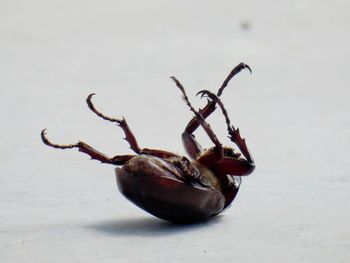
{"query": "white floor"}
[(58, 206)]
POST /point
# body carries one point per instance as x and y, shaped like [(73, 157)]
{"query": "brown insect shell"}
[(158, 186)]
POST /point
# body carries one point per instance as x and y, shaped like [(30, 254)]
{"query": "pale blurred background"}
[(58, 206)]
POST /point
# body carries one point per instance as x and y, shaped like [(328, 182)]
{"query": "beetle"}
[(174, 187)]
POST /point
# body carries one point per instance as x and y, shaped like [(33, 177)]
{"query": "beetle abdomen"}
[(152, 184)]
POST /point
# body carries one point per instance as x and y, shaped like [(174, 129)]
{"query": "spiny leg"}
[(234, 134), (210, 107), (200, 118), (85, 148), (129, 136), (192, 147), (233, 73)]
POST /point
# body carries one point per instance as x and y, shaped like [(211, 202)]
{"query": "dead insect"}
[(170, 186)]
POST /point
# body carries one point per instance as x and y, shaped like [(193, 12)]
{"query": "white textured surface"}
[(57, 206)]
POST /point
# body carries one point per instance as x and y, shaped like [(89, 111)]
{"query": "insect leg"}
[(210, 107), (200, 118), (233, 73), (85, 148), (192, 147), (234, 166), (129, 136), (234, 134)]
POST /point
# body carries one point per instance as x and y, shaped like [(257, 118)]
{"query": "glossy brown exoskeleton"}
[(170, 186)]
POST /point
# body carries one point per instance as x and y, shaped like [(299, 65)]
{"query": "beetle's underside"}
[(171, 186)]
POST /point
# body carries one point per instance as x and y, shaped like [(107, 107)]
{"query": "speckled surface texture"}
[(58, 206)]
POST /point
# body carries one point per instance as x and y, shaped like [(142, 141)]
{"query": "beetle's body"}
[(161, 188), (173, 187)]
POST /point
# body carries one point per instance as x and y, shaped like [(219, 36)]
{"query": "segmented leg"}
[(234, 134), (210, 107), (93, 153), (200, 118), (129, 136), (192, 147), (233, 73), (234, 166)]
